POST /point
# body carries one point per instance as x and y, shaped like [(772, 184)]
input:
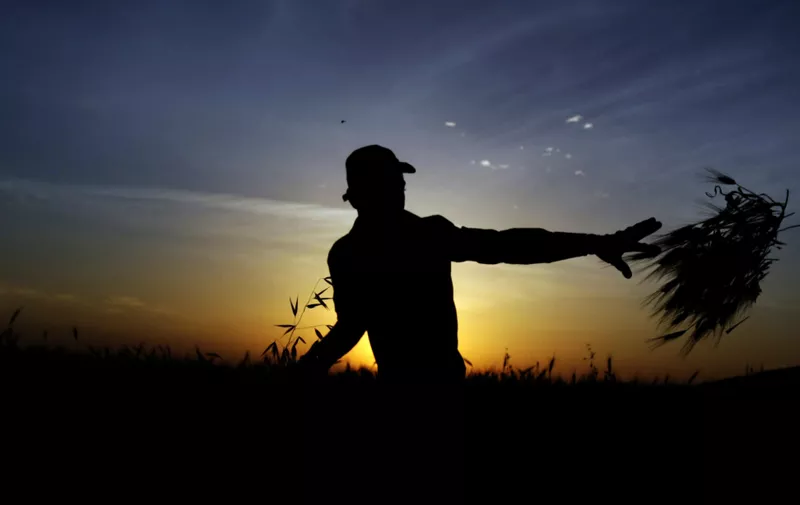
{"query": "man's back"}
[(395, 279)]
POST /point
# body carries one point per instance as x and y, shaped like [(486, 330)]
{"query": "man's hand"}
[(611, 247), (309, 365)]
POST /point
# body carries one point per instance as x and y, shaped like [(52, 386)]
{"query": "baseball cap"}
[(367, 164)]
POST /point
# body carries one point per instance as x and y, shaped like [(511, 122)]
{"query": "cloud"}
[(450, 124), (574, 119), (27, 292), (463, 134), (548, 151), (489, 164), (113, 304), (121, 303), (223, 222), (588, 126), (70, 194), (521, 148), (580, 173), (472, 162), (568, 156), (128, 302)]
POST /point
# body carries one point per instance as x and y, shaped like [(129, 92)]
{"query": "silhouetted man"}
[(391, 278), (391, 272)]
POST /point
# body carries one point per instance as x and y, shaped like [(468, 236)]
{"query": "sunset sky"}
[(172, 171)]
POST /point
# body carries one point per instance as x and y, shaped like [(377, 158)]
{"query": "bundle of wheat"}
[(711, 270)]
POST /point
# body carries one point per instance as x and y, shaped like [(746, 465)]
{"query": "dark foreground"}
[(91, 429)]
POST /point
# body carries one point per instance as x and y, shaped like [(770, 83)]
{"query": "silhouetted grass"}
[(711, 271), (109, 413), (277, 363)]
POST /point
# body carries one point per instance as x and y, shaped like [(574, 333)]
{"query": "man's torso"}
[(399, 278)]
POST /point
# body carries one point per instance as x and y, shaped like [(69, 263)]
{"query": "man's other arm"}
[(350, 325), (340, 340)]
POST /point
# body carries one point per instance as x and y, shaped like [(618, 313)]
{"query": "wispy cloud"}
[(450, 124), (122, 303), (129, 302), (568, 156), (38, 294), (218, 201), (23, 291), (580, 173), (113, 304), (489, 164), (588, 126), (575, 119), (225, 223)]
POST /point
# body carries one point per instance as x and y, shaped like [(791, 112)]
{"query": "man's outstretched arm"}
[(526, 246)]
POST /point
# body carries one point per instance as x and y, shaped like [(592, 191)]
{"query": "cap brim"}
[(407, 168)]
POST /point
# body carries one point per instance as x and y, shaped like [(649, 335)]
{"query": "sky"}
[(172, 171)]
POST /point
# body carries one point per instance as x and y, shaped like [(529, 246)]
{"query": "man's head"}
[(375, 183)]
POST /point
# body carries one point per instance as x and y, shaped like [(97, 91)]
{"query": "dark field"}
[(141, 419)]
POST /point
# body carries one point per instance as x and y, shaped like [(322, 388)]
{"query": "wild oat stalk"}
[(710, 271), (289, 353)]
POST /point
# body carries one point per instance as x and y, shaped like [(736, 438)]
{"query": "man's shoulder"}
[(347, 244), (437, 222)]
